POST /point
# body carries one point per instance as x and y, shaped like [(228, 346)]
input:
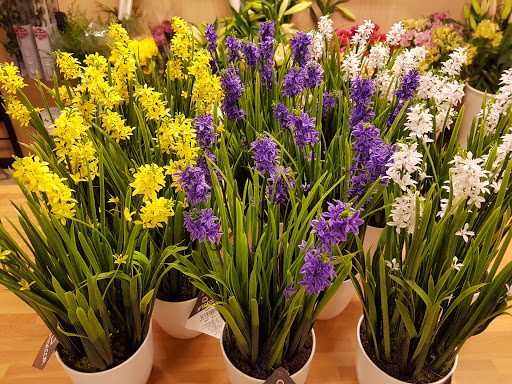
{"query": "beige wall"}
[(383, 12)]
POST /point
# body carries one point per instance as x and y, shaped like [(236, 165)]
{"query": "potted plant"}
[(489, 33), (268, 285), (444, 242)]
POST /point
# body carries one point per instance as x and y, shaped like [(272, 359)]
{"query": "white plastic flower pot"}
[(172, 317), (135, 370), (371, 238), (473, 99), (368, 373), (238, 377), (339, 301)]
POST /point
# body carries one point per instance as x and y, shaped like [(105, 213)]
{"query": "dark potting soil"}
[(426, 376), (186, 292), (120, 349), (262, 373)]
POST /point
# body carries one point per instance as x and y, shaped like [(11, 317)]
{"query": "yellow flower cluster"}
[(10, 79), (149, 179), (177, 135), (123, 60), (74, 147), (175, 69), (446, 38), (156, 212), (115, 125), (144, 50), (486, 29), (208, 88), (152, 102), (415, 23), (118, 34), (17, 110), (68, 65), (94, 79), (37, 177)]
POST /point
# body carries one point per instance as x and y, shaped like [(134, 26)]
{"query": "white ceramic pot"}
[(339, 301), (371, 238), (368, 373), (237, 377), (173, 316), (135, 370), (473, 99)]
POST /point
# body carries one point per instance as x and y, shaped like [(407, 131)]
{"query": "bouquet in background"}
[(488, 30)]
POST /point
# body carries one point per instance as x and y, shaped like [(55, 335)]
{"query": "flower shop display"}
[(267, 283)]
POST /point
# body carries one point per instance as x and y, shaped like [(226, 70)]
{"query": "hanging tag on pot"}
[(45, 352), (280, 376), (205, 318)]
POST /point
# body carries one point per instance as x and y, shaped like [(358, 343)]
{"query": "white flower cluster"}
[(406, 160), (490, 115), (395, 34), (469, 181), (379, 55), (351, 66), (325, 27), (419, 122), (403, 211), (316, 48), (453, 65), (384, 81), (360, 39), (410, 59), (504, 149)]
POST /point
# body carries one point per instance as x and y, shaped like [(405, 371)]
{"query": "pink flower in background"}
[(408, 38), (159, 36), (424, 38), (440, 16), (167, 26)]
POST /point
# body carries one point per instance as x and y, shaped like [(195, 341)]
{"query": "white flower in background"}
[(325, 27), (392, 265), (455, 265), (509, 289), (453, 65), (361, 37), (465, 233), (384, 81), (351, 66), (316, 49), (445, 116), (469, 181), (498, 104), (504, 150), (394, 36), (410, 59), (427, 86), (403, 212), (450, 92), (379, 55), (404, 162), (419, 122)]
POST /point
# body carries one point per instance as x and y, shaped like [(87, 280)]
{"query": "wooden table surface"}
[(485, 359)]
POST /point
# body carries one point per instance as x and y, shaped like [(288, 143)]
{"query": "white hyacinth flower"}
[(325, 27), (351, 66), (419, 122), (455, 265), (395, 34), (403, 212), (361, 37), (316, 48), (392, 265), (465, 233), (379, 55), (453, 65), (509, 289), (405, 161)]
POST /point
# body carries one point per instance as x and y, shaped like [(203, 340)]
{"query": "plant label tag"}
[(280, 376), (45, 352), (205, 318)]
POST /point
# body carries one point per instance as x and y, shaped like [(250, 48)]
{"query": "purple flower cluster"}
[(232, 86), (265, 155), (317, 272), (202, 164), (406, 91), (251, 54), (193, 181), (280, 183), (212, 37), (361, 92), (370, 159), (266, 53), (329, 102), (300, 43), (202, 225), (314, 76), (281, 114), (303, 129), (294, 81), (334, 225), (204, 127), (233, 48)]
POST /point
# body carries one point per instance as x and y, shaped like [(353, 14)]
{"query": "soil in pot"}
[(120, 350), (391, 368), (183, 291), (261, 372)]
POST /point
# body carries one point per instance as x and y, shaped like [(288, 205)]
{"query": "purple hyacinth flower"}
[(361, 92), (294, 81), (406, 91), (266, 53), (202, 164), (279, 185), (211, 37), (265, 155), (305, 187), (303, 130), (329, 102), (317, 273), (204, 127), (282, 115), (289, 290), (202, 225), (300, 43), (233, 47), (232, 86), (193, 181), (314, 76), (251, 54), (267, 30)]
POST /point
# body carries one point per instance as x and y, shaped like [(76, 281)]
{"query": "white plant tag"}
[(205, 318)]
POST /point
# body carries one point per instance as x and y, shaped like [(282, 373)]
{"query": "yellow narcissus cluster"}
[(178, 135), (113, 123), (486, 29), (38, 178)]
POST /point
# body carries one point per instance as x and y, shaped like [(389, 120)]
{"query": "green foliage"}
[(328, 7)]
